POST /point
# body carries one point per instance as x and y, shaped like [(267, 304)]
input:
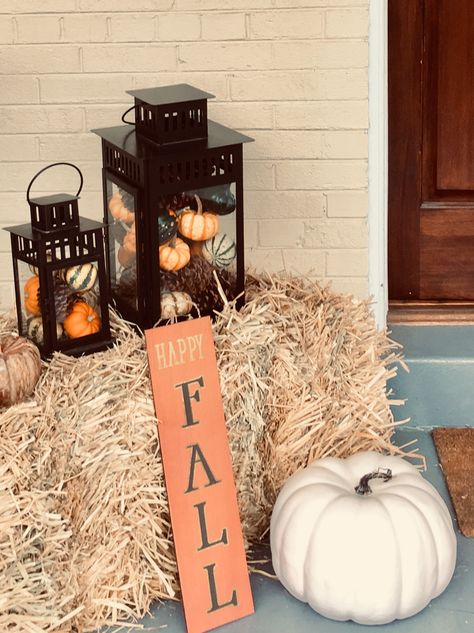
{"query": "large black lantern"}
[(173, 200), (61, 284)]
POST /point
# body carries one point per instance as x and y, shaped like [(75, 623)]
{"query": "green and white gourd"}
[(35, 330), (220, 250), (174, 304), (81, 278)]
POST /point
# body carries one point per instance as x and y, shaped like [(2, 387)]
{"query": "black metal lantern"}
[(61, 284), (173, 205)]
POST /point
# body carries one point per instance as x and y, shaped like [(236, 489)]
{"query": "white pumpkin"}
[(372, 558)]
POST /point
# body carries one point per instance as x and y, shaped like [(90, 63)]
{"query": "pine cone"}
[(127, 199), (128, 277), (63, 299), (211, 300), (127, 286), (193, 278), (197, 279)]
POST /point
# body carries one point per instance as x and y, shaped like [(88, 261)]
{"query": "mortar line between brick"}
[(256, 40)]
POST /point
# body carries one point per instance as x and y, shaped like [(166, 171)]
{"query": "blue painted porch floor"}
[(440, 393), (439, 388)]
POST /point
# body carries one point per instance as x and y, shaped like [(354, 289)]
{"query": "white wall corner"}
[(378, 160)]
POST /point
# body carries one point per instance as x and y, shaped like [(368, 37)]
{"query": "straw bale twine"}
[(85, 536)]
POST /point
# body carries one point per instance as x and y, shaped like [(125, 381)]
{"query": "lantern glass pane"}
[(197, 234), (77, 301), (31, 320), (121, 205)]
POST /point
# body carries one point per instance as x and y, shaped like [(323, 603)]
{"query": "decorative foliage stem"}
[(199, 204)]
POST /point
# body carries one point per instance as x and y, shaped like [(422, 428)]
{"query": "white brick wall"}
[(291, 73)]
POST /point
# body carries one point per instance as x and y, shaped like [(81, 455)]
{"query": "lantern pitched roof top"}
[(164, 95)]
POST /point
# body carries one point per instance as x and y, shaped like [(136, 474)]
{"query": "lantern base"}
[(81, 349)]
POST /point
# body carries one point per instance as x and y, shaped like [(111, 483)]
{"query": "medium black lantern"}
[(60, 276), (173, 200)]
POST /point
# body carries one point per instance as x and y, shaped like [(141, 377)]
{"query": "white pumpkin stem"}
[(364, 489), (199, 203)]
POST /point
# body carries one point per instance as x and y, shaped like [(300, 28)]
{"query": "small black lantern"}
[(60, 276), (173, 205)]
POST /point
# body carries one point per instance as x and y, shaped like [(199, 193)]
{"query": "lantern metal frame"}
[(55, 239), (172, 149)]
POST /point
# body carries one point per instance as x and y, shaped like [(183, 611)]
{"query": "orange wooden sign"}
[(198, 471)]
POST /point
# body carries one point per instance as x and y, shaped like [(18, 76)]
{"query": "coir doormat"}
[(455, 449)]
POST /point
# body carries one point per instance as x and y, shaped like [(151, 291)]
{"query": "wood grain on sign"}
[(198, 472)]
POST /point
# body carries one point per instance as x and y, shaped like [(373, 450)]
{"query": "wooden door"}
[(431, 150)]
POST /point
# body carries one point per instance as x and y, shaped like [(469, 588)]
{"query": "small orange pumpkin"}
[(119, 211), (130, 241), (31, 291), (175, 255), (196, 225), (124, 257), (82, 320)]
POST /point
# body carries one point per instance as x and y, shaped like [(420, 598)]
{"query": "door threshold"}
[(430, 313)]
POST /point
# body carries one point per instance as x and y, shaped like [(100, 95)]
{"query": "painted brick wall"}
[(291, 73)]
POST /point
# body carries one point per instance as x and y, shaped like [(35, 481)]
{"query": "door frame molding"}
[(378, 160)]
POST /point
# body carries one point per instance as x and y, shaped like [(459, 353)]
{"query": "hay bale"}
[(85, 536)]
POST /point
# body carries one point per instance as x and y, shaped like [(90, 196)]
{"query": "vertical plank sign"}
[(198, 471)]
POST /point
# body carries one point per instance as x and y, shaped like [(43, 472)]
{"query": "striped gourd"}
[(175, 255), (82, 277), (220, 250), (35, 330), (196, 225), (175, 304)]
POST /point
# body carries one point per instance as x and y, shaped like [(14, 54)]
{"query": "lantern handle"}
[(48, 167), (125, 114)]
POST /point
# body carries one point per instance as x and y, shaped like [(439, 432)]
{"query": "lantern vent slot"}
[(121, 163), (50, 214), (24, 248), (189, 171), (169, 123), (88, 243)]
